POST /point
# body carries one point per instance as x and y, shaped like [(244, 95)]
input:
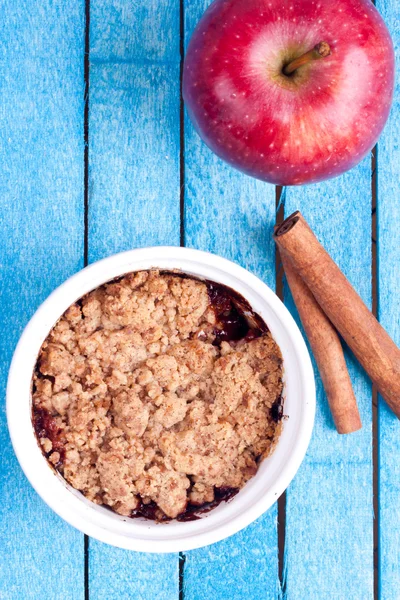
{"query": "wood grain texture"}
[(388, 215), (232, 215), (134, 198), (41, 244), (242, 567), (133, 126), (134, 157), (124, 575), (329, 522)]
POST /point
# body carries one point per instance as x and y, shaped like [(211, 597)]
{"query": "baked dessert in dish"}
[(158, 395)]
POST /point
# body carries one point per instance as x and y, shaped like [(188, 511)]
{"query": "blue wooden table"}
[(97, 156)]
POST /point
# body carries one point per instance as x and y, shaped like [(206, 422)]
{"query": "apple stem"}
[(321, 50)]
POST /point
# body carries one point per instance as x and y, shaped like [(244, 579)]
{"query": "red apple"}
[(287, 127)]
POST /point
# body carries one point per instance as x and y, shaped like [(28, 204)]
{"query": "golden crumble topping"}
[(140, 396)]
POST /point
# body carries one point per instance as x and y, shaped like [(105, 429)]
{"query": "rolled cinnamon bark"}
[(328, 353), (372, 346)]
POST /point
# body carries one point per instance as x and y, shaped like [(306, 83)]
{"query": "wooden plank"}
[(41, 244), (232, 215), (242, 567), (134, 198), (388, 215), (123, 575), (134, 125), (329, 522), (134, 157)]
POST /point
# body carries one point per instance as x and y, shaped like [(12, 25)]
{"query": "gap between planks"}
[(86, 71), (279, 290), (375, 410), (182, 123), (182, 556)]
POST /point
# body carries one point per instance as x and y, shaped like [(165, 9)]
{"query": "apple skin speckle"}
[(315, 124)]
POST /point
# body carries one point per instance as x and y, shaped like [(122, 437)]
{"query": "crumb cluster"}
[(134, 403)]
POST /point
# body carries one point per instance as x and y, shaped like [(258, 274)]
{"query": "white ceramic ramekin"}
[(274, 474)]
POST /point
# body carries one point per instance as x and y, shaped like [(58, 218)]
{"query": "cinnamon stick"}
[(372, 346), (328, 353)]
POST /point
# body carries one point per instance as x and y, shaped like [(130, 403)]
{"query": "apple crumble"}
[(157, 394)]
